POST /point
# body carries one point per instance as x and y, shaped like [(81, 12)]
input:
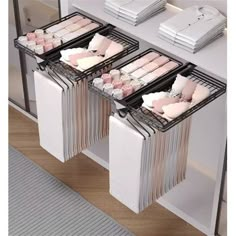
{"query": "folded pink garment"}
[(75, 19), (83, 22), (151, 56), (103, 46), (160, 71), (73, 58), (141, 62), (174, 110), (171, 65), (161, 60), (113, 49), (150, 67), (188, 90), (158, 104), (200, 94), (72, 27), (91, 26)]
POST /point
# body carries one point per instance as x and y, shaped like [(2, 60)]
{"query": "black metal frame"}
[(44, 55), (133, 95), (130, 45), (216, 87)]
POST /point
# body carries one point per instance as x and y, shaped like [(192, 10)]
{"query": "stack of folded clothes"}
[(184, 94), (99, 49), (41, 41), (130, 78), (134, 11), (193, 28)]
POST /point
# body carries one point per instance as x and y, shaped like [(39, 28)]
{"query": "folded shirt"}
[(193, 28), (134, 12)]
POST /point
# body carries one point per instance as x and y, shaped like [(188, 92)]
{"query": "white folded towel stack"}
[(193, 28), (134, 11)]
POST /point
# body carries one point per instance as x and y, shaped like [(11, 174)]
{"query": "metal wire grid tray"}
[(124, 100), (216, 87), (44, 55), (130, 45)]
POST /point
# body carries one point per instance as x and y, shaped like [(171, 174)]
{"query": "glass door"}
[(28, 15)]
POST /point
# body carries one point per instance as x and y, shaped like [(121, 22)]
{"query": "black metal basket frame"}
[(125, 100), (216, 87), (43, 56), (130, 45)]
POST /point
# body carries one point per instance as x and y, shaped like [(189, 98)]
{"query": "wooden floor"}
[(91, 181)]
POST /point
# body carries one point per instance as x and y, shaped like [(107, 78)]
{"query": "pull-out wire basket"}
[(133, 95), (130, 45), (44, 55), (216, 88)]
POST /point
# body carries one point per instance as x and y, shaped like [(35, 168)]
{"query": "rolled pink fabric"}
[(188, 90), (40, 41), (160, 71), (75, 19), (161, 60), (31, 36), (151, 56), (150, 67), (72, 27), (171, 65), (84, 22), (129, 68), (158, 104), (141, 62), (117, 83), (73, 58), (47, 47), (91, 26), (106, 78), (127, 90), (138, 73)]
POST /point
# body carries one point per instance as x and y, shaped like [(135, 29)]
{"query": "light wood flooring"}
[(91, 181)]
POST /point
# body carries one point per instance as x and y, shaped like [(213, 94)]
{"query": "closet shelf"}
[(43, 56), (130, 45)]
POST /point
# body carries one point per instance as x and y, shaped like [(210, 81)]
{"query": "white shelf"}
[(192, 200), (211, 58)]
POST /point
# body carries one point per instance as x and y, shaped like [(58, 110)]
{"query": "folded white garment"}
[(88, 62), (190, 49), (134, 12), (71, 51), (188, 42), (194, 27)]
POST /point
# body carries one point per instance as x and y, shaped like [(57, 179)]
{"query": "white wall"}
[(219, 4)]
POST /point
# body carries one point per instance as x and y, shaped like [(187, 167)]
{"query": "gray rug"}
[(41, 205)]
